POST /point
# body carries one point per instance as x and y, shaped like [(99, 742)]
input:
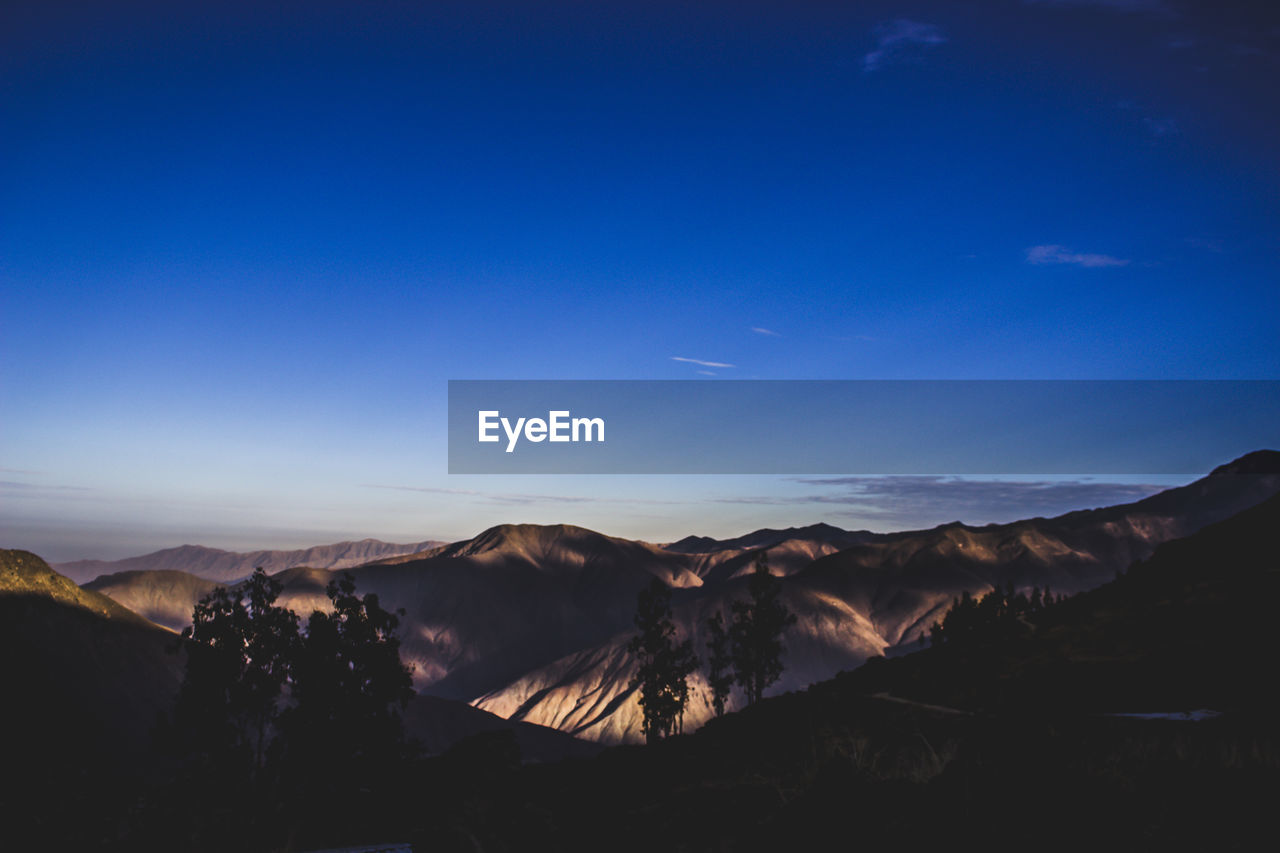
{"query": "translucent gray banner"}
[(857, 426)]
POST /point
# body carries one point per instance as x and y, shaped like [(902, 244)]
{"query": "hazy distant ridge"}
[(224, 566)]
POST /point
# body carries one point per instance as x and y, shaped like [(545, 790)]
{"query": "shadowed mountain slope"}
[(480, 613), (440, 724), (80, 660), (85, 681), (1189, 627), (165, 597)]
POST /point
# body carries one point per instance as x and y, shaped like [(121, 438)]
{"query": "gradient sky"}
[(244, 245)]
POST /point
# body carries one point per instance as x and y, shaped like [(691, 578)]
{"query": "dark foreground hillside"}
[(84, 682)]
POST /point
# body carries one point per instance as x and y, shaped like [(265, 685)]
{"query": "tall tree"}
[(349, 683), (756, 632), (663, 665), (720, 664), (240, 647)]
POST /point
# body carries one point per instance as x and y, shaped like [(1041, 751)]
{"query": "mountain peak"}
[(523, 538), (1257, 462)]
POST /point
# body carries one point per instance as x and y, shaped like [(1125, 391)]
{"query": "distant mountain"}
[(531, 622), (230, 566), (166, 597), (768, 537), (482, 612)]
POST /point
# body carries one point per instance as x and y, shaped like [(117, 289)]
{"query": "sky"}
[(244, 246)]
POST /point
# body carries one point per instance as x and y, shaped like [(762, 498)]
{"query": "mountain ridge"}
[(230, 566)]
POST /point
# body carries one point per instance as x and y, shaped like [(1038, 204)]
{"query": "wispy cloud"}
[(700, 362), (1162, 126), (523, 500), (905, 501), (520, 498), (1208, 244), (423, 489), (767, 332), (1052, 254), (1159, 7), (896, 38), (1157, 126), (14, 486)]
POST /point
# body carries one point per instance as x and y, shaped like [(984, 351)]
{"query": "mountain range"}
[(1171, 613), (531, 622)]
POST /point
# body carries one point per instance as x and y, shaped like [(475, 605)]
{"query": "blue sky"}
[(244, 246)]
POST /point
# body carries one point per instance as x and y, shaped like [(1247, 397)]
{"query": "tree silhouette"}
[(998, 615), (349, 683), (340, 736), (663, 666), (756, 632), (240, 647), (226, 732), (719, 666)]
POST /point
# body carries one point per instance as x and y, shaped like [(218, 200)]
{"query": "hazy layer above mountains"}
[(530, 622), (231, 566)]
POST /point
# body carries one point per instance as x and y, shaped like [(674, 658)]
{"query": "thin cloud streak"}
[(1055, 254), (902, 502), (576, 499), (895, 38), (423, 489), (519, 498), (1159, 7), (767, 332), (700, 362), (15, 486)]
